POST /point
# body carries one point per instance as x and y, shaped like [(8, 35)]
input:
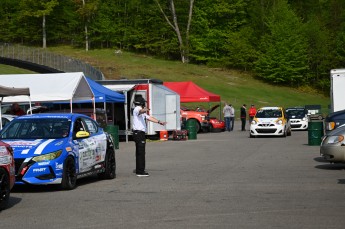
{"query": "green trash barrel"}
[(113, 130), (315, 132), (191, 128)]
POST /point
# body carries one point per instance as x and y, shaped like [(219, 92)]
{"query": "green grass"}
[(233, 86), (7, 69)]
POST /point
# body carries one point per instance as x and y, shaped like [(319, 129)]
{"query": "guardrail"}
[(52, 60)]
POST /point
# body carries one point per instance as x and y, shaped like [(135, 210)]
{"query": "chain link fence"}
[(52, 60)]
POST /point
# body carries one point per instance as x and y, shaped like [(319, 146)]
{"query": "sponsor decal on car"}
[(5, 160), (58, 166), (38, 170)]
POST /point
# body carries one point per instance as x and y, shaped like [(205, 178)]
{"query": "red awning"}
[(190, 92)]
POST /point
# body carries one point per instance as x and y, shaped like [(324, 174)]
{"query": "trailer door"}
[(170, 110), (337, 91)]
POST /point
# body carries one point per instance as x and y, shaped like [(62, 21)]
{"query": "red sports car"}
[(216, 125), (7, 173)]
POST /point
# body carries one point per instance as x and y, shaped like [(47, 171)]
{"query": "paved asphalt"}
[(219, 180)]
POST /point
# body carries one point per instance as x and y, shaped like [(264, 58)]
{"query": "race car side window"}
[(91, 126), (78, 126)]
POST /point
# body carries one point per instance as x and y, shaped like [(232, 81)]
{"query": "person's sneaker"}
[(144, 174), (135, 171)]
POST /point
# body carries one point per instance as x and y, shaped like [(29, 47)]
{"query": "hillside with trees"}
[(283, 42)]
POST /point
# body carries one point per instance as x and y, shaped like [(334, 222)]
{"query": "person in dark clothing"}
[(243, 116), (16, 110)]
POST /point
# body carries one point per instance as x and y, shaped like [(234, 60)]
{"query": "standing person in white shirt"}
[(139, 134), (232, 117), (226, 114)]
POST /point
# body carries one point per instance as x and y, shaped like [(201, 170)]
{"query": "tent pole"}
[(126, 115), (112, 113), (220, 110), (105, 110), (94, 107), (30, 105)]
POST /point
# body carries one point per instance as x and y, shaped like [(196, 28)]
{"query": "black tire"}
[(4, 188), (289, 132), (211, 128), (69, 176), (110, 166), (284, 134), (197, 127)]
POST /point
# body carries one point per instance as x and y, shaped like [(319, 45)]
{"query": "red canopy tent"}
[(190, 92)]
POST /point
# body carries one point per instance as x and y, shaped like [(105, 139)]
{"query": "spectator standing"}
[(252, 113), (232, 117), (139, 134), (226, 114), (243, 116)]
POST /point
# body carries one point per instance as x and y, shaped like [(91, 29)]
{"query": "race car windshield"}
[(43, 128), (294, 113), (269, 113)]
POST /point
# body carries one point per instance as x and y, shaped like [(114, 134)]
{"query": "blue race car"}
[(59, 148)]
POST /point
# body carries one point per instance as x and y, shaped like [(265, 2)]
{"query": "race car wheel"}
[(110, 166), (285, 133), (69, 176), (289, 132), (4, 188)]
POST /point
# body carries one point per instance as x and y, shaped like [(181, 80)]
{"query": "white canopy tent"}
[(10, 92), (54, 87), (124, 88)]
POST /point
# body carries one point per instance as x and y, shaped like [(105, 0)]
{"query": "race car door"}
[(91, 149)]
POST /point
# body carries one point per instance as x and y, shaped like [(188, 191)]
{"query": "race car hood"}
[(31, 148), (213, 108), (266, 120)]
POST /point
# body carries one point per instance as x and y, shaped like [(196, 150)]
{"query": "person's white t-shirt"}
[(139, 120)]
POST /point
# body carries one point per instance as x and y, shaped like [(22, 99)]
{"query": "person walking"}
[(243, 116), (226, 114), (140, 117), (232, 117), (251, 113)]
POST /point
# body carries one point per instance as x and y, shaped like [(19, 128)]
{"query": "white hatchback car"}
[(298, 117), (270, 121)]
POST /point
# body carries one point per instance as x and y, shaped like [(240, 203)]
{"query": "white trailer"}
[(164, 104), (337, 92)]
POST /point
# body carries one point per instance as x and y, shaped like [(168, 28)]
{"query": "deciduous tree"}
[(39, 9), (173, 22)]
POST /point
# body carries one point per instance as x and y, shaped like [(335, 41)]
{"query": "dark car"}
[(334, 120), (298, 117)]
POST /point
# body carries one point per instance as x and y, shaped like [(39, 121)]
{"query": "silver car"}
[(332, 146)]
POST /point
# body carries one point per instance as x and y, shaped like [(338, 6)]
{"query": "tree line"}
[(284, 42)]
